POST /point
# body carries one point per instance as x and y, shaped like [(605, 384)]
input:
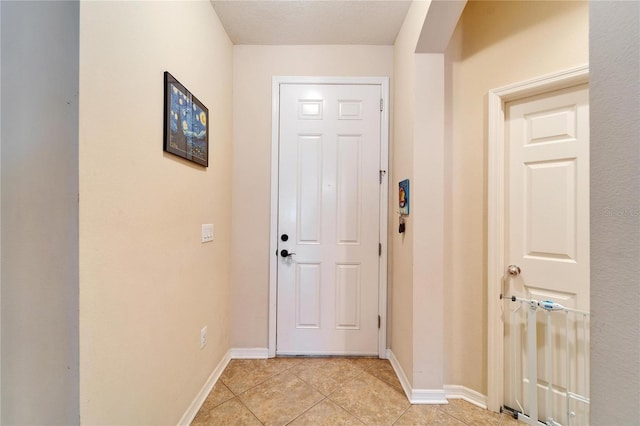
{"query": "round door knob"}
[(514, 270), (285, 253)]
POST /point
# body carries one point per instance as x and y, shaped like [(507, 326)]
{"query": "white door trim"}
[(497, 98), (383, 82)]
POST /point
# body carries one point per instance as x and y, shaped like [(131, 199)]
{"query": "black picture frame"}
[(186, 123)]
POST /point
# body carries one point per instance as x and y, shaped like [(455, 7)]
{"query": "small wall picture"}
[(186, 123), (403, 196)]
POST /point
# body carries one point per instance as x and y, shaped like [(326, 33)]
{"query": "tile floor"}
[(326, 391)]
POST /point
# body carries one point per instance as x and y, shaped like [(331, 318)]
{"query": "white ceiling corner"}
[(300, 22)]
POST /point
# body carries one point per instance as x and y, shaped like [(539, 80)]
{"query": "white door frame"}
[(383, 82), (497, 98)]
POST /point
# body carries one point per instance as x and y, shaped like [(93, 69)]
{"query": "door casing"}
[(383, 82), (497, 98)]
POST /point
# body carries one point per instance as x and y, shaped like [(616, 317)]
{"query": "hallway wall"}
[(495, 44), (615, 212), (254, 67), (147, 283), (39, 209), (401, 294)]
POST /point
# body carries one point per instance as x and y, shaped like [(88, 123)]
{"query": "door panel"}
[(307, 295), (547, 210), (348, 189), (329, 194), (550, 216), (348, 297), (309, 176)]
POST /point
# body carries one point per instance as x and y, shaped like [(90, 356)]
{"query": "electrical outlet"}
[(203, 337), (207, 232)]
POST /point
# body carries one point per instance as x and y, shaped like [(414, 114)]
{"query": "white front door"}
[(328, 219), (547, 239)]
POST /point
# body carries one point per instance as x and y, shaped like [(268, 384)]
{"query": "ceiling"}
[(293, 22)]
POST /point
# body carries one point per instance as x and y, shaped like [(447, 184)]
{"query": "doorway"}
[(538, 217), (329, 217)]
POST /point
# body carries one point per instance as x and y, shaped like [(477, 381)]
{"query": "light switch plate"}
[(207, 232), (203, 337)]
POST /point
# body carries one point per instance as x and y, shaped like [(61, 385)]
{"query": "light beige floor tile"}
[(219, 394), (243, 374), (370, 399), (326, 413), (385, 372), (426, 415), (508, 420), (232, 412), (469, 413), (367, 363), (202, 418), (278, 390), (326, 375), (286, 362), (280, 399)]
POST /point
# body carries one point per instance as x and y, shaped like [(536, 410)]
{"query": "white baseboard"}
[(406, 386), (469, 395), (416, 396), (193, 409), (249, 353), (428, 396)]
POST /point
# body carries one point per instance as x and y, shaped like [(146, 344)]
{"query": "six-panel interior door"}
[(328, 213), (547, 236)]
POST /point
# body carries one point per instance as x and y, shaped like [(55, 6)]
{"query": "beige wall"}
[(495, 44), (147, 284), (401, 291), (254, 67)]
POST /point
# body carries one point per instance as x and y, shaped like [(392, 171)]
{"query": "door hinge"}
[(378, 321), (381, 105), (379, 249), (382, 173)]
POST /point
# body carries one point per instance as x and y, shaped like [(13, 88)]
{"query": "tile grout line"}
[(255, 385), (402, 414), (460, 417), (247, 390), (237, 395), (249, 409), (353, 414), (273, 376), (326, 397), (463, 421), (304, 411), (341, 386)]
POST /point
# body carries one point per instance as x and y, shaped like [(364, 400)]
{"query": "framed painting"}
[(186, 123), (403, 197)]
